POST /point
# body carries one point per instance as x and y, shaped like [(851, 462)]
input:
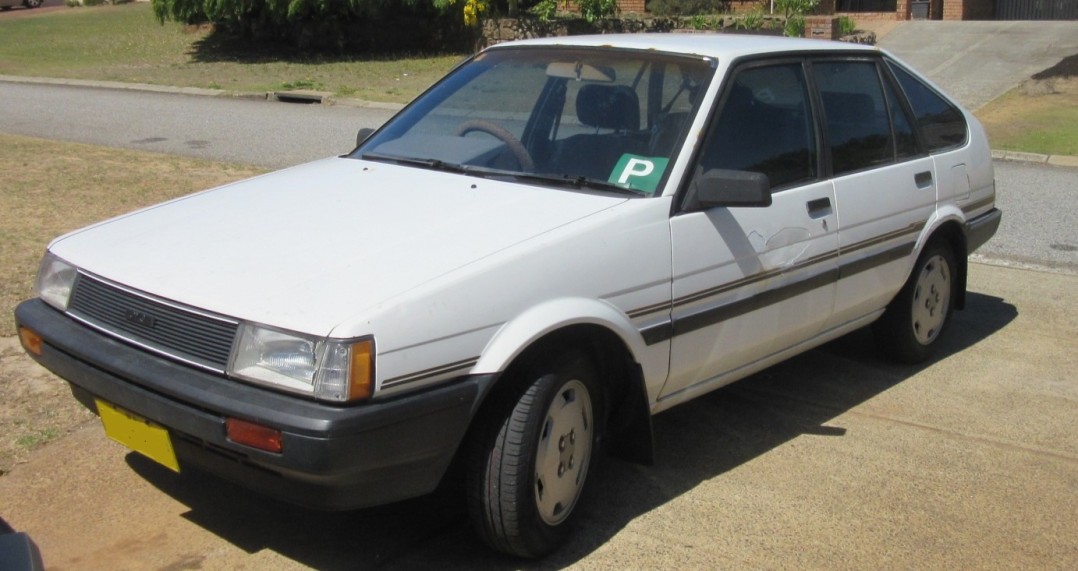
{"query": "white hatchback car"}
[(557, 241)]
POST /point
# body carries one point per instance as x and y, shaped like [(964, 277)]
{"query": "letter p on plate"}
[(640, 173), (636, 167)]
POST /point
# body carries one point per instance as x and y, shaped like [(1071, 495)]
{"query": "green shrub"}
[(846, 26), (688, 7), (545, 10), (794, 11), (752, 21), (794, 27), (332, 25), (593, 10)]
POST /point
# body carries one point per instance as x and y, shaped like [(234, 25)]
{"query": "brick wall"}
[(951, 9), (954, 10), (874, 16), (626, 6)]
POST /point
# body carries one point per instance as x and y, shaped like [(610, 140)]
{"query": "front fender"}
[(525, 329)]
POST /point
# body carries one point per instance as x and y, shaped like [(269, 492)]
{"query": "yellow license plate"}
[(138, 434)]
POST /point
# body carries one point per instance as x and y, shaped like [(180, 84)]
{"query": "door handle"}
[(819, 207), (923, 179)]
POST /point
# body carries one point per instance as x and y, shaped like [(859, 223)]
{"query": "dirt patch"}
[(36, 408)]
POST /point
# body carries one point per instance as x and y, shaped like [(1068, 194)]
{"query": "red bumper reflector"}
[(254, 435)]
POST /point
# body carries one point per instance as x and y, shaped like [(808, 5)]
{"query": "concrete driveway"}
[(978, 61), (834, 460)]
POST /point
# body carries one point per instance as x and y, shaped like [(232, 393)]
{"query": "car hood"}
[(309, 247)]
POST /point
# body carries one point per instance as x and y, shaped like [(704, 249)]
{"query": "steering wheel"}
[(522, 155)]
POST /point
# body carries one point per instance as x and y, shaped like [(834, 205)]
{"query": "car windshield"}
[(597, 118)]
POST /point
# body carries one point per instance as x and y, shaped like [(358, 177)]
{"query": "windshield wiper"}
[(434, 164), (557, 179), (577, 182)]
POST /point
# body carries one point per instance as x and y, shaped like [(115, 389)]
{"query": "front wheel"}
[(530, 457), (32, 3), (910, 329)]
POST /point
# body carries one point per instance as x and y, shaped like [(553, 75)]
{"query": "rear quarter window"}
[(942, 124)]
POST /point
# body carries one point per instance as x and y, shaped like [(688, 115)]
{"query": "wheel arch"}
[(951, 232), (608, 338)]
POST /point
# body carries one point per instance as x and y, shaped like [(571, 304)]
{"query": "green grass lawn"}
[(1046, 124), (126, 43)]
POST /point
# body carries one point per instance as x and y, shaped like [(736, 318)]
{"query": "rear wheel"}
[(32, 3), (531, 454), (910, 329)]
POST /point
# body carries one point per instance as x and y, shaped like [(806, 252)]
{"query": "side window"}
[(942, 124), (765, 125), (858, 121)]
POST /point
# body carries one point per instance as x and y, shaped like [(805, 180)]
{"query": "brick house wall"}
[(951, 9)]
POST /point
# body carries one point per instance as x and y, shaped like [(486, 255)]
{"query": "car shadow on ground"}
[(696, 442)]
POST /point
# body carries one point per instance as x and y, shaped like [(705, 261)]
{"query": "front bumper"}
[(334, 457)]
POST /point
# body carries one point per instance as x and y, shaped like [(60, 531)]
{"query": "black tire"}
[(913, 324), (31, 4), (531, 454)]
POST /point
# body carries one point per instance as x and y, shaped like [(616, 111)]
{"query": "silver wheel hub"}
[(564, 451), (931, 299)]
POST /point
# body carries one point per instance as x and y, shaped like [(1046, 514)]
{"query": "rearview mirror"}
[(580, 71)]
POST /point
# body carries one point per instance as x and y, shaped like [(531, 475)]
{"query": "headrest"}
[(608, 107)]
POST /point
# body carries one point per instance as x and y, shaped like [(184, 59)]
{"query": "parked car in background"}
[(560, 239), (9, 4)]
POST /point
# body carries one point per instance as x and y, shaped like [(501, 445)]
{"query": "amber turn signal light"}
[(254, 435), (30, 341)]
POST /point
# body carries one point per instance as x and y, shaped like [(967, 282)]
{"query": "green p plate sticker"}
[(640, 173)]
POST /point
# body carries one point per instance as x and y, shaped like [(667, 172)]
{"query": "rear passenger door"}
[(749, 282), (885, 186)]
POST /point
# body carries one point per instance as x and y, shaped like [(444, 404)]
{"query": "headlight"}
[(55, 278), (336, 370)]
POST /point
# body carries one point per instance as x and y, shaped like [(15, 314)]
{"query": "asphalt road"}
[(267, 134)]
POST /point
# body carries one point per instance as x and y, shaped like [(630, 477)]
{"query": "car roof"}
[(720, 46)]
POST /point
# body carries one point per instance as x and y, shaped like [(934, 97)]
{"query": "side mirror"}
[(363, 134), (721, 187)]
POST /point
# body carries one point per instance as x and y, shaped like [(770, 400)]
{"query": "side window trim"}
[(903, 102), (893, 89)]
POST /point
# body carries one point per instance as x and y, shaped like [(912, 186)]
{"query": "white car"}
[(557, 241)]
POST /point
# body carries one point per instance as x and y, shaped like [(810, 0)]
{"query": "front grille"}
[(186, 334)]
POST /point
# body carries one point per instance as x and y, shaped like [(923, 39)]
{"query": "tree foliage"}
[(331, 24), (266, 11)]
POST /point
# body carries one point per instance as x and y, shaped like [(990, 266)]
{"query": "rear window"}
[(942, 124)]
